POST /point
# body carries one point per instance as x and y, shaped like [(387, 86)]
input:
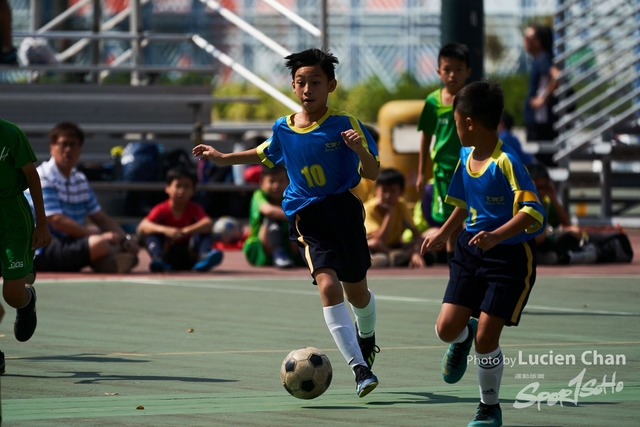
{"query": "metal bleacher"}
[(598, 146)]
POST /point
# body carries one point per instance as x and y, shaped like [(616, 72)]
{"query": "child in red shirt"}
[(177, 232)]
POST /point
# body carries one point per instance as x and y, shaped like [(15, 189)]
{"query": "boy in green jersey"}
[(18, 237), (437, 119), (268, 242)]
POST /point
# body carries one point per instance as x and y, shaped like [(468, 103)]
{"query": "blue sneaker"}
[(365, 380), (281, 259), (487, 416), (454, 362), (209, 261), (157, 265)]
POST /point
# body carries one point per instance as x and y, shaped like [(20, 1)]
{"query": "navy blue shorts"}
[(331, 234), (497, 281)]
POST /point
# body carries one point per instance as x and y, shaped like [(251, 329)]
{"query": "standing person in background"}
[(326, 152), (68, 201), (8, 53), (454, 68), (539, 117), (18, 236)]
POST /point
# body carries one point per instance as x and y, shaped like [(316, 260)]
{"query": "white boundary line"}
[(197, 283)]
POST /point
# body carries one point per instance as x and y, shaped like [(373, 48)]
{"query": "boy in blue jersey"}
[(494, 265), (325, 152)]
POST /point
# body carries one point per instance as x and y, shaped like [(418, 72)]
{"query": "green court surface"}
[(175, 351)]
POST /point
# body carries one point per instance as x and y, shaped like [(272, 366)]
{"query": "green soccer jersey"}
[(15, 152), (255, 217), (437, 119)]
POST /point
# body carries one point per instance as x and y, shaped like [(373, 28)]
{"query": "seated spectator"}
[(561, 242), (268, 241), (68, 199), (387, 216), (506, 135), (177, 232)]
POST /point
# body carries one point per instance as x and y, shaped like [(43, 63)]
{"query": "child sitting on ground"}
[(268, 242), (387, 218), (177, 232)]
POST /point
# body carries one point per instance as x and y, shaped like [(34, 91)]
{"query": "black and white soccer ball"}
[(227, 230), (306, 373)]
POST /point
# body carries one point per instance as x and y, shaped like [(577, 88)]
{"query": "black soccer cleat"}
[(365, 380), (26, 319), (2, 364), (368, 347)]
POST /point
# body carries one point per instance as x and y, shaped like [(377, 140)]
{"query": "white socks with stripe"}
[(490, 367), (341, 327), (366, 318)]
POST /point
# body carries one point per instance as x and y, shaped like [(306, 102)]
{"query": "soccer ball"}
[(306, 373), (227, 230)]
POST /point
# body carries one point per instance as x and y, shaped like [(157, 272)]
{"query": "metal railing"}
[(598, 54), (138, 38)]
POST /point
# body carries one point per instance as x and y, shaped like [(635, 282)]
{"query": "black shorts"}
[(497, 281), (64, 254), (331, 234)]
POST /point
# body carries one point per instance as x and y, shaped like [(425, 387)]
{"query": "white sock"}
[(366, 318), (461, 338), (344, 333), (490, 367)]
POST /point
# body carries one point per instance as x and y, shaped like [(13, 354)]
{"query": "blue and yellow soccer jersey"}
[(496, 193), (318, 161)]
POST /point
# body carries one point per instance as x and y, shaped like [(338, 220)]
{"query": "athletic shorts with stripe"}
[(497, 281), (331, 234), (16, 230)]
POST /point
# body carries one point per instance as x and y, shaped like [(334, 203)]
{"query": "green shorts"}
[(441, 211), (255, 254), (16, 229)]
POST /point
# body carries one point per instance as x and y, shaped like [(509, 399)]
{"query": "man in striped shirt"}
[(68, 201)]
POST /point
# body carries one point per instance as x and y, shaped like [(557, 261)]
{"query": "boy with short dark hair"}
[(325, 151), (454, 68), (387, 218), (268, 242), (18, 236), (494, 266), (177, 232)]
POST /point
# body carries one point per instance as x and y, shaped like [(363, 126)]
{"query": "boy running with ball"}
[(325, 152)]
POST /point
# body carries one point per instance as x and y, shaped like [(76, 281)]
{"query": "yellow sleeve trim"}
[(456, 202), (523, 196), (263, 158), (536, 215)]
